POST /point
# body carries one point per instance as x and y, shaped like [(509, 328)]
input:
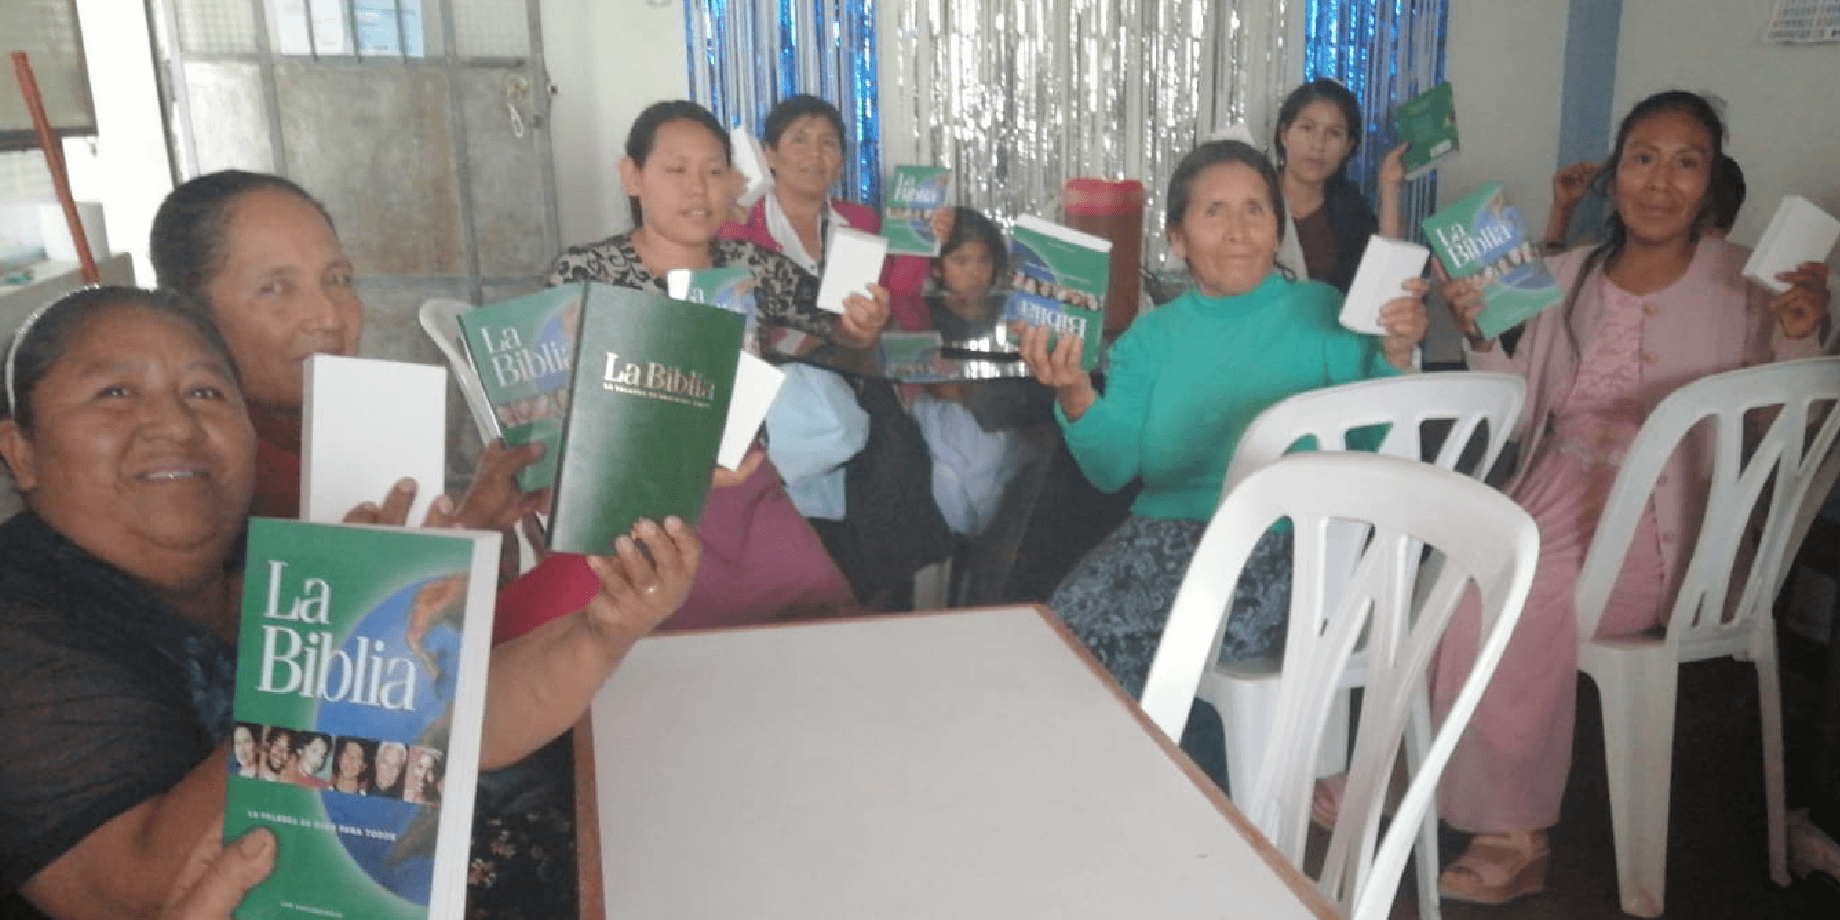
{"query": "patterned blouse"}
[(784, 293)]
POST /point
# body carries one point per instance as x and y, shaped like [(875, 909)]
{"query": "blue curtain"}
[(1386, 52), (746, 55)]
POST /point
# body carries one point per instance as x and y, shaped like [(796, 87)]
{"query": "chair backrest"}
[(440, 319), (1465, 401), (1481, 537), (1779, 479)]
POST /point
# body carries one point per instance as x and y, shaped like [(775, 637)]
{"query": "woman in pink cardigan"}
[(1657, 305)]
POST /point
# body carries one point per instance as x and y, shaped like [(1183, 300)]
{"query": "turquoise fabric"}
[(1187, 378)]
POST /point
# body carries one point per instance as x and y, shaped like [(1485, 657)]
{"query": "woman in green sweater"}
[(1185, 380)]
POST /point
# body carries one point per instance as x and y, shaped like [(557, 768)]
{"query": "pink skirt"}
[(760, 558)]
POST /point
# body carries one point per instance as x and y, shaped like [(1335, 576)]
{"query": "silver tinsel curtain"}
[(1018, 96), (746, 55), (1386, 52)]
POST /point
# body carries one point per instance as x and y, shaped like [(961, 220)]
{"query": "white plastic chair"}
[(1786, 476), (440, 318), (1481, 537), (1244, 693)]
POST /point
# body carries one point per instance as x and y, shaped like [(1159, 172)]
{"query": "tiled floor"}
[(1717, 863)]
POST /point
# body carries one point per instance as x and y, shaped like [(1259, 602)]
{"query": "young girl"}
[(973, 429), (1319, 130)]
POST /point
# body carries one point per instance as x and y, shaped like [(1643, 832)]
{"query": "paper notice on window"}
[(309, 27)]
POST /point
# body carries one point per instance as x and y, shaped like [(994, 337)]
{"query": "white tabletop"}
[(960, 764)]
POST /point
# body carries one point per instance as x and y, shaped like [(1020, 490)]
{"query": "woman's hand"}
[(863, 317), (1405, 322), (1392, 179), (394, 511), (637, 593), (1465, 298), (494, 501), (215, 878), (723, 478), (1059, 370), (941, 222), (1800, 309), (1569, 185)]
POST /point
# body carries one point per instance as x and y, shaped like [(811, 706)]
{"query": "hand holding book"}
[(1404, 320), (863, 317), (1059, 370), (645, 580)]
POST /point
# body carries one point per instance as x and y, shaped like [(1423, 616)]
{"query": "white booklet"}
[(751, 160), (853, 261), (1385, 266), (756, 383), (1799, 232), (368, 423)]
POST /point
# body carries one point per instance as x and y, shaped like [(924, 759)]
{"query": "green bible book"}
[(914, 193), (1058, 279), (1427, 125), (359, 704), (521, 349), (644, 414), (1484, 236)]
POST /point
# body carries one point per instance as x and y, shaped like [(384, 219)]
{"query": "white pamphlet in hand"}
[(756, 383), (1385, 267), (677, 283), (368, 423), (1799, 232), (752, 161), (852, 262)]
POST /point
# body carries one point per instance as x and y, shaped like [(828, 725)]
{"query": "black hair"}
[(791, 109), (1727, 191), (1616, 235), (48, 334), (644, 136), (187, 243), (1321, 89), (1214, 153), (968, 225)]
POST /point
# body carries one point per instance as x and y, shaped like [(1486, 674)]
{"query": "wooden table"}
[(961, 764)]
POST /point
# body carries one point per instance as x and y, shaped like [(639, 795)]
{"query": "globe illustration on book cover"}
[(389, 828)]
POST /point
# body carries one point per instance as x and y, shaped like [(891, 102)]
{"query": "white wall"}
[(1784, 122), (1507, 64), (608, 61)]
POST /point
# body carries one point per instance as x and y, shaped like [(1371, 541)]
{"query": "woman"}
[(125, 426), (803, 137), (391, 756), (1657, 304), (351, 772), (262, 256), (422, 781), (1185, 381), (761, 558), (246, 750), (310, 750), (821, 420), (1319, 130)]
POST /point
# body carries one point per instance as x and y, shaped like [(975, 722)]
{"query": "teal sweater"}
[(1187, 378)]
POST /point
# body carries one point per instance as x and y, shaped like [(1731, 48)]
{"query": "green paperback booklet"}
[(644, 416), (1058, 280), (360, 698), (907, 214), (731, 288), (521, 349), (1427, 125), (1483, 235)]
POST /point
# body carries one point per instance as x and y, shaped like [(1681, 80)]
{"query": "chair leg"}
[(1418, 743), (1769, 698), (1638, 686), (1245, 708)]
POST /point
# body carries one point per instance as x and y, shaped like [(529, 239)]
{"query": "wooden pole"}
[(54, 160)]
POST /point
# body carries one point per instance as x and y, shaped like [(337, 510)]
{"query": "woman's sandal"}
[(1497, 868)]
